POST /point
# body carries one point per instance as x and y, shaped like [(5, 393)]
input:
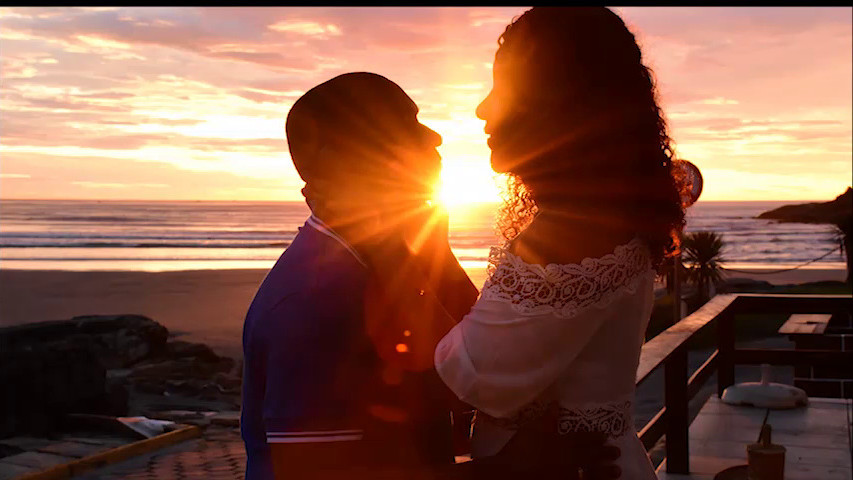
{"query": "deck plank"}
[(816, 439)]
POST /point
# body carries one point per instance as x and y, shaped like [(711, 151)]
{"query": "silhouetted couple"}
[(367, 345)]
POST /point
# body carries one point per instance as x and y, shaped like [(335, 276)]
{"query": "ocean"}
[(160, 236)]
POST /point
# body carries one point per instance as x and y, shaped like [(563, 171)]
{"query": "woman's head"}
[(573, 118)]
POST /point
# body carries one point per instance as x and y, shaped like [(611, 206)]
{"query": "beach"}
[(201, 305)]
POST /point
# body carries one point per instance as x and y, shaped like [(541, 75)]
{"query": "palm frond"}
[(703, 257)]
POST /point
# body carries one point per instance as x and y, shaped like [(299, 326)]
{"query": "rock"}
[(835, 211), (180, 349), (179, 369), (230, 383), (7, 450), (92, 364), (42, 383), (117, 340), (180, 416), (187, 376), (154, 386)]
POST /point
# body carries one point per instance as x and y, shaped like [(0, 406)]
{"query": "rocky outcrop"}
[(838, 212), (117, 340), (91, 364), (835, 212)]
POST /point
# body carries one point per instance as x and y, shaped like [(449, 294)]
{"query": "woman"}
[(594, 208)]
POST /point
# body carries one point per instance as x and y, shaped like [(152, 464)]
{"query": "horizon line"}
[(303, 201)]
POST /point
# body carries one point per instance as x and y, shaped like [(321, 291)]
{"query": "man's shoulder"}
[(311, 264), (314, 276)]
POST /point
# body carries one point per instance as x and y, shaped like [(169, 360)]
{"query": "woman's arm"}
[(499, 360)]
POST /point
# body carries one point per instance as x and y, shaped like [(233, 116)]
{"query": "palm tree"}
[(703, 258)]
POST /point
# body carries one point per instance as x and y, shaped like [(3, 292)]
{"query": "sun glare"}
[(465, 183)]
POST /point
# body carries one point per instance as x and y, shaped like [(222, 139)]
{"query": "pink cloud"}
[(725, 74), (77, 177)]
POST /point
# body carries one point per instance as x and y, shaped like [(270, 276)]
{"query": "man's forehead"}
[(352, 99), (390, 100)]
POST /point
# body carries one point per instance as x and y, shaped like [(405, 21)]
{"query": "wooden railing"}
[(669, 349)]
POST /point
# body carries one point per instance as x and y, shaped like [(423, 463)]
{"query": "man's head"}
[(356, 142)]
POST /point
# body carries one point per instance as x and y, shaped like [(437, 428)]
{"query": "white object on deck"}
[(147, 427), (765, 394)]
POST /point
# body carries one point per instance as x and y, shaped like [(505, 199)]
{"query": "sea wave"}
[(140, 231)]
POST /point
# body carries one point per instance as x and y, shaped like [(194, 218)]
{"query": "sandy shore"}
[(204, 305)]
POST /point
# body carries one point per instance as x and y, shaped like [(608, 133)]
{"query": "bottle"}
[(766, 460)]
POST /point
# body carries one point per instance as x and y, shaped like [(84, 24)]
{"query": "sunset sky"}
[(189, 103)]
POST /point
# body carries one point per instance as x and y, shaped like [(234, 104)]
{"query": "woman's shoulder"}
[(565, 288)]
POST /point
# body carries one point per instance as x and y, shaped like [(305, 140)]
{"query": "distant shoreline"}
[(802, 275)]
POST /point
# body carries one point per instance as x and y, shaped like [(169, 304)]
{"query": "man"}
[(338, 343)]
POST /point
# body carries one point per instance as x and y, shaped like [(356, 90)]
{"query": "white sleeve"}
[(498, 360)]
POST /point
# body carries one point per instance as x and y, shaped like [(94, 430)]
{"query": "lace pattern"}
[(611, 418), (529, 413), (564, 289)]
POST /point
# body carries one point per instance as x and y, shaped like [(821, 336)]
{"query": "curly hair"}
[(581, 69)]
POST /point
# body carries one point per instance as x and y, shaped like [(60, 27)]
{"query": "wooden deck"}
[(817, 439)]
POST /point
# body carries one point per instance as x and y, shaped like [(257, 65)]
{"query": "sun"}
[(465, 183), (466, 176)]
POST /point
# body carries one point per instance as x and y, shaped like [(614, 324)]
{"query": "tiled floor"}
[(217, 455), (37, 454), (817, 439)]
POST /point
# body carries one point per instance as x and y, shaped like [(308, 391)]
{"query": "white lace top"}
[(564, 335)]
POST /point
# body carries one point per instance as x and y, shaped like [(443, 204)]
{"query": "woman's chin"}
[(499, 163)]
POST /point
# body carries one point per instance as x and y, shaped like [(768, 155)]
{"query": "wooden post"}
[(676, 290), (726, 347), (677, 416)]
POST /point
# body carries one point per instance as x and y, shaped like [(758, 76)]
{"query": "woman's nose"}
[(483, 108)]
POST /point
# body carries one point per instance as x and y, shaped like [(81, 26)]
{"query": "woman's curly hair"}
[(581, 69)]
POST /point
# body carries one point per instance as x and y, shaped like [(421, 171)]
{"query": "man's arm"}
[(303, 426)]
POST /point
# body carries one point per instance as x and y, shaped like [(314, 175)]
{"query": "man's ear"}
[(303, 137), (311, 138)]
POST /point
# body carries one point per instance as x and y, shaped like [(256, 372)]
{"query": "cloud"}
[(90, 139), (115, 29), (306, 28), (56, 176), (268, 59), (741, 87)]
